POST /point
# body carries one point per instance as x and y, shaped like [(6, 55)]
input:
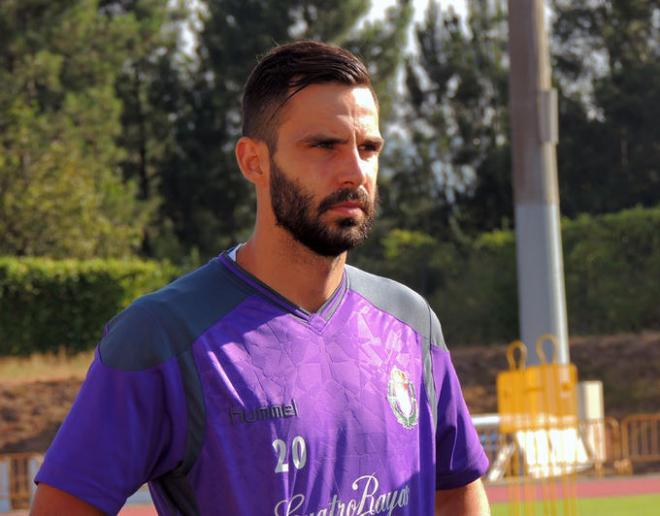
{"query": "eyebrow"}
[(320, 137)]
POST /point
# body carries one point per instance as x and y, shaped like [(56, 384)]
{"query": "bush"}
[(48, 305), (479, 302), (611, 269), (612, 266)]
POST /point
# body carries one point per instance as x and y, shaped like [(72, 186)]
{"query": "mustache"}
[(346, 195)]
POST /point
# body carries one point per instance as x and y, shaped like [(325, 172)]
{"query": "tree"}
[(60, 190), (609, 147), (457, 88), (150, 86)]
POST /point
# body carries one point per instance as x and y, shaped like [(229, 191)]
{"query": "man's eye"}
[(370, 147), (325, 145)]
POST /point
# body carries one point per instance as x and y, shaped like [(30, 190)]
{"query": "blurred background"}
[(117, 125)]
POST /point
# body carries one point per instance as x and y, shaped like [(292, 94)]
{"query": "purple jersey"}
[(228, 399)]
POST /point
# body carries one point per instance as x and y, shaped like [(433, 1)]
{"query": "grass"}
[(44, 367), (643, 505)]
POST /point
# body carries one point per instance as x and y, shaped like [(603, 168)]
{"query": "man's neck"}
[(291, 269)]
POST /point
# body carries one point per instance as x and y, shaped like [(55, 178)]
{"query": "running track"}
[(585, 488), (591, 488)]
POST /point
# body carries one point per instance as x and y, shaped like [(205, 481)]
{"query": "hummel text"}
[(239, 415)]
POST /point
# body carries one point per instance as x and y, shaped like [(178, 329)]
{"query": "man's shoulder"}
[(385, 291), (398, 300), (164, 323)]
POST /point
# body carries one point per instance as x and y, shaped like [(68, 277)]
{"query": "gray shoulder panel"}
[(402, 302), (162, 325), (437, 338), (410, 308)]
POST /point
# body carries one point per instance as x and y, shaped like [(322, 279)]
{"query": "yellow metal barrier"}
[(539, 396), (640, 436), (601, 439), (16, 473), (511, 388), (539, 435), (538, 404), (542, 450)]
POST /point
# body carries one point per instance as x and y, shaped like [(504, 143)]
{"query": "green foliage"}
[(60, 193), (417, 249), (151, 86), (479, 302), (609, 148), (612, 265), (46, 305), (458, 91), (459, 144)]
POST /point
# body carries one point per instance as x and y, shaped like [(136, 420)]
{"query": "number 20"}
[(298, 454)]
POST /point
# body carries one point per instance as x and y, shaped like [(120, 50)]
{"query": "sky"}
[(379, 6)]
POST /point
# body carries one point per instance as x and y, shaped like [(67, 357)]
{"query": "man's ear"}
[(253, 159)]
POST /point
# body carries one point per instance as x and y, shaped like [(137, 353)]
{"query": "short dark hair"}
[(287, 69)]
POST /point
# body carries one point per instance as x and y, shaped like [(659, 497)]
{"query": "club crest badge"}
[(401, 395)]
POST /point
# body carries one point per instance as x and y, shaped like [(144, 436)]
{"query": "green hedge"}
[(612, 272), (611, 267), (46, 305), (478, 302)]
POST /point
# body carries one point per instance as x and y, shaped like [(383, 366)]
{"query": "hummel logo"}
[(239, 415)]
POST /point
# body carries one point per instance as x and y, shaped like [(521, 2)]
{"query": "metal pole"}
[(533, 107)]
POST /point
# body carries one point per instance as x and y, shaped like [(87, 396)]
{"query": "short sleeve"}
[(125, 428), (460, 458)]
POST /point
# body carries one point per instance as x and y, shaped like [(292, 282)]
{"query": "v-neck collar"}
[(318, 318)]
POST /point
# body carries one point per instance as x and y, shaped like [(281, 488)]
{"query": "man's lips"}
[(348, 207)]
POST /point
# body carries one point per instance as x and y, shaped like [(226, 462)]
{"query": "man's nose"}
[(354, 170)]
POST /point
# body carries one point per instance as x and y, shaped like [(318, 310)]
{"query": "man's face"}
[(323, 173)]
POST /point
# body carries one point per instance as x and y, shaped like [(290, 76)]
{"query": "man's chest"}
[(334, 414)]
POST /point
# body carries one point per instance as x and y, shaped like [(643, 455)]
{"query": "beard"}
[(293, 206)]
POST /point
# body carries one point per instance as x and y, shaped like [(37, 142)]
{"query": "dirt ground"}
[(628, 365)]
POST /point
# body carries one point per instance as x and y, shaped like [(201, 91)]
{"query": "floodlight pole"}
[(533, 108)]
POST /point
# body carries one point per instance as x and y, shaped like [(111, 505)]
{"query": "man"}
[(276, 379)]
